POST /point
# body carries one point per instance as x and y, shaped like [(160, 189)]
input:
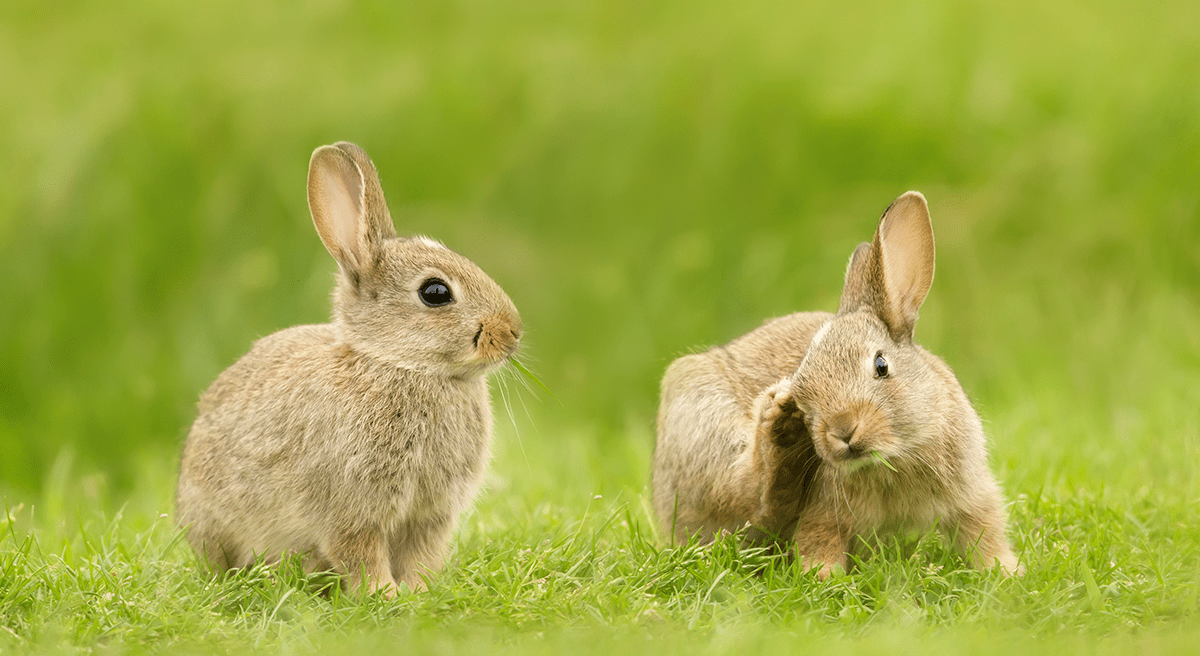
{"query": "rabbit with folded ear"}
[(359, 442), (816, 428)]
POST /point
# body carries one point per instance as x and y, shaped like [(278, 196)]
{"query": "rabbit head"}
[(408, 301), (866, 389)]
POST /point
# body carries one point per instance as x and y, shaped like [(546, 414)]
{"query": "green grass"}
[(532, 577), (644, 179)]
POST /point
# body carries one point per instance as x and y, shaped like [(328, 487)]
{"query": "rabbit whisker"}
[(919, 458), (526, 407), (846, 500), (837, 516), (503, 387)]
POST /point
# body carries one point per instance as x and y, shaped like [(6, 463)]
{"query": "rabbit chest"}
[(424, 450), (878, 499), (383, 444)]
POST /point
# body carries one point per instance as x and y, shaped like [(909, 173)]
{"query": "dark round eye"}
[(435, 293), (881, 367)]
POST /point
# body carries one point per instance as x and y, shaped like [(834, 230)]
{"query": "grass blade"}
[(529, 374)]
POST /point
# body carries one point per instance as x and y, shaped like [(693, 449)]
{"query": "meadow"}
[(644, 179)]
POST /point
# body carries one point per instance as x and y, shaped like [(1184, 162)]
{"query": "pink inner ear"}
[(336, 189), (901, 272), (344, 210), (906, 237)]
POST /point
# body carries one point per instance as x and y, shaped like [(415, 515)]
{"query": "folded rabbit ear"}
[(893, 273), (348, 207)]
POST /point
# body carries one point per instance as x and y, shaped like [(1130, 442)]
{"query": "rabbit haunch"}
[(356, 443), (817, 428)]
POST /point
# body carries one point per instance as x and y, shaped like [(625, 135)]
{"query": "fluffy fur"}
[(783, 429), (359, 442)]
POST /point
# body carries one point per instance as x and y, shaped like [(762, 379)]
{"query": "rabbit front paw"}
[(784, 459), (780, 420)]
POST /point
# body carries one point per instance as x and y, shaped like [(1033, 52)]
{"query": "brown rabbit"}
[(816, 428), (359, 442)]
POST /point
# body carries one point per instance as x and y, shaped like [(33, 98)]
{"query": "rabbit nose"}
[(842, 428), (497, 337), (845, 434)]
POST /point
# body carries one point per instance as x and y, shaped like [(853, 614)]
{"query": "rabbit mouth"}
[(496, 351), (852, 464), (853, 454), (853, 437), (496, 340), (851, 442), (847, 459)]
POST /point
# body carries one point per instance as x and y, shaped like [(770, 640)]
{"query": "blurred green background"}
[(643, 178)]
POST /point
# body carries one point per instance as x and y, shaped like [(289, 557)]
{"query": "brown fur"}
[(782, 428), (359, 442)]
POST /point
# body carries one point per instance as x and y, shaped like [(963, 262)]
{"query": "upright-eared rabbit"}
[(356, 443), (816, 428)]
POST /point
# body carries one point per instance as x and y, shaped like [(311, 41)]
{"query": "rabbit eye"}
[(435, 293), (881, 366)]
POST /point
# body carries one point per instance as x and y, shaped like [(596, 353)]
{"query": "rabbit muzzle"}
[(497, 338), (848, 438)]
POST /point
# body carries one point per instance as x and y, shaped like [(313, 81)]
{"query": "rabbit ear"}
[(855, 293), (893, 274), (904, 240), (347, 206)]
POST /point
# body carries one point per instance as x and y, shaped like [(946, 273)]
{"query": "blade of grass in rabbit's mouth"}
[(878, 456), (529, 374)]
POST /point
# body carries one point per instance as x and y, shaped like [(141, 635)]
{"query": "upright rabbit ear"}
[(348, 208), (892, 275), (856, 292)]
